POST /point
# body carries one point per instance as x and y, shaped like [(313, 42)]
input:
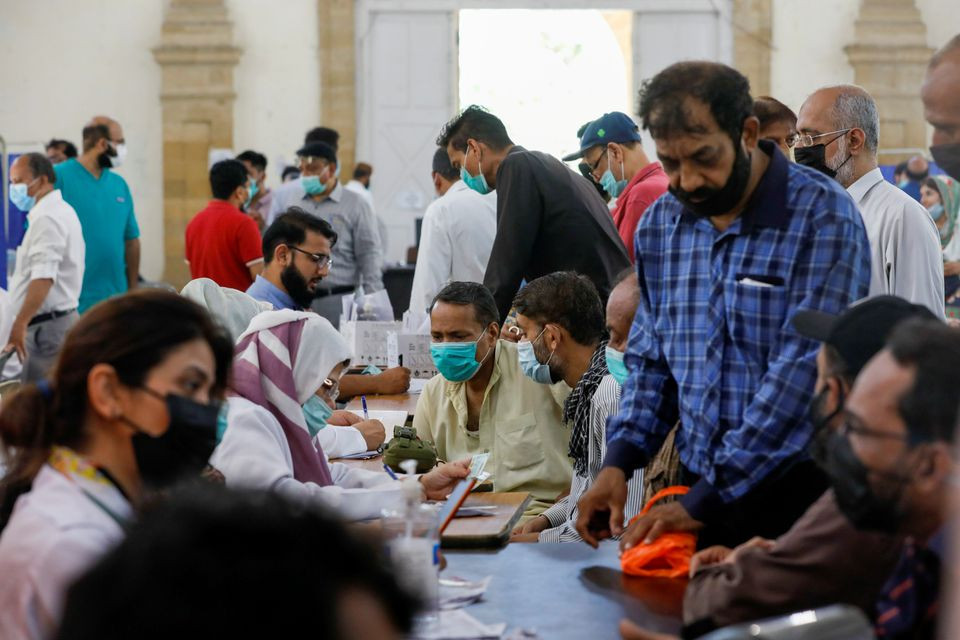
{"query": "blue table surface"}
[(566, 590)]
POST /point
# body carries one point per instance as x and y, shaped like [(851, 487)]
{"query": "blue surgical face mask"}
[(610, 184), (936, 211), (316, 413), (222, 422), (457, 361), (478, 183), (252, 189), (533, 368), (615, 365), (312, 185), (903, 184), (19, 197)]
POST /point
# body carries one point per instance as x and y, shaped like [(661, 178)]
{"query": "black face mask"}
[(815, 157), (947, 157), (849, 478), (716, 202), (184, 449), (297, 286), (818, 418)]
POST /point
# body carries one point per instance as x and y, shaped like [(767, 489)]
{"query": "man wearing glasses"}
[(296, 250), (839, 136), (610, 147), (357, 252)]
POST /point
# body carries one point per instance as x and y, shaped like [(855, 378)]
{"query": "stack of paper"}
[(456, 593), (458, 625)]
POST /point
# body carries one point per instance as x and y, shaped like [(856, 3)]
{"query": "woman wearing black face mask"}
[(130, 407)]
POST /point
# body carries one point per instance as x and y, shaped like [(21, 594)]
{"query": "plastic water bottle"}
[(413, 545)]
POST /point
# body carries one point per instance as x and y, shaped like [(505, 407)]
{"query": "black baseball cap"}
[(860, 332), (317, 150)]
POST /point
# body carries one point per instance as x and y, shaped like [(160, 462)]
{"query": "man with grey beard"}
[(839, 136)]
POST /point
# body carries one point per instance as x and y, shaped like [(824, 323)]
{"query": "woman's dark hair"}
[(133, 333), (212, 562), (931, 183)]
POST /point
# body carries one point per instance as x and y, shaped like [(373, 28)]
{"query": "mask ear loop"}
[(489, 351)]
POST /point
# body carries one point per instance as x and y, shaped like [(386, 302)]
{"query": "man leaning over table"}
[(481, 402), (560, 314), (743, 241)]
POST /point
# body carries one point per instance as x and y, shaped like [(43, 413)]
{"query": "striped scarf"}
[(263, 374), (576, 410)]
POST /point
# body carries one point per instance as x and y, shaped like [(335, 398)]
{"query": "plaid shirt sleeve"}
[(649, 396), (831, 271)]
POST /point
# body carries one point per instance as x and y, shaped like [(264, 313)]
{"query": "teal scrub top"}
[(105, 209)]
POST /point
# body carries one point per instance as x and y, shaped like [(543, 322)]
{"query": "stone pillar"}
[(752, 35), (338, 102), (197, 58), (889, 56)]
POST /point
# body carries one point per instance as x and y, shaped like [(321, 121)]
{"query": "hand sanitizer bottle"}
[(414, 545)]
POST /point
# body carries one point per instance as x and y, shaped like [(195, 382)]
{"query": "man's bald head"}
[(941, 93), (918, 166), (116, 131), (849, 106)]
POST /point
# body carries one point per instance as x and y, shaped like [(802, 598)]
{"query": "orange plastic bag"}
[(666, 557)]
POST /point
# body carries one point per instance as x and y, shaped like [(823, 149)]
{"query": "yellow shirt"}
[(521, 427)]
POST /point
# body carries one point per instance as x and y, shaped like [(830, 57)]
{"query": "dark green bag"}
[(405, 445)]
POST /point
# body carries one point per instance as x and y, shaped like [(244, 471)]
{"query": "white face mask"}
[(117, 160)]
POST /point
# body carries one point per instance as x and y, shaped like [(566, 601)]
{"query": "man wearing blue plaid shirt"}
[(743, 241)]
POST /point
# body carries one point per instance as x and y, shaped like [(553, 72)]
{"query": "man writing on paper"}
[(481, 402)]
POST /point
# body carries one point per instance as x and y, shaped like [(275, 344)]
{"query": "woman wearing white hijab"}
[(234, 310), (281, 362)]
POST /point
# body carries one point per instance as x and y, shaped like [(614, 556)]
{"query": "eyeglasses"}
[(848, 426), (806, 140), (593, 167), (330, 389), (321, 260)]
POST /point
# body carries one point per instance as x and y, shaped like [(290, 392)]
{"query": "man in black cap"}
[(823, 559), (357, 255)]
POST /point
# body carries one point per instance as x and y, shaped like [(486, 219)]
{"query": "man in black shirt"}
[(548, 217)]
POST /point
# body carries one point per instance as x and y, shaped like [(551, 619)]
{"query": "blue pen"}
[(366, 416), (390, 471)]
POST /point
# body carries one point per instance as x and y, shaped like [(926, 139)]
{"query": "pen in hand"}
[(363, 402)]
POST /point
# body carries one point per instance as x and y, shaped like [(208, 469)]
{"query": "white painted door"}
[(408, 65)]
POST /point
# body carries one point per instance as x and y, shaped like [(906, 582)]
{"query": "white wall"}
[(278, 78), (62, 62), (809, 37)]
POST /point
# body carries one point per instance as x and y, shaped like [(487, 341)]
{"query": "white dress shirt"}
[(906, 258), (455, 242), (55, 534), (340, 441), (52, 248), (254, 454)]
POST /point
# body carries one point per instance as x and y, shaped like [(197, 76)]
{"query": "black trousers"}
[(767, 511)]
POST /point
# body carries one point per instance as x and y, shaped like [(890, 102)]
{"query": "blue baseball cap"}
[(615, 126)]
